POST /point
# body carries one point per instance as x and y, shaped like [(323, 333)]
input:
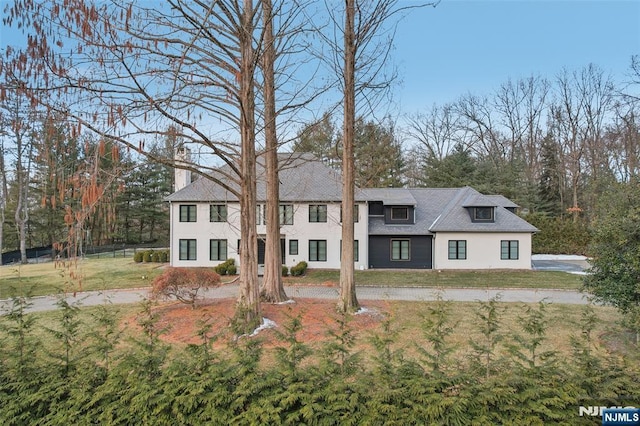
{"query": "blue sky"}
[(476, 45)]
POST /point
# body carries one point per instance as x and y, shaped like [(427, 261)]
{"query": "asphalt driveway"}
[(569, 264), (93, 298), (564, 263)]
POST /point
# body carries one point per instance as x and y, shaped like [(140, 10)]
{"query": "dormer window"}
[(399, 213), (483, 214)]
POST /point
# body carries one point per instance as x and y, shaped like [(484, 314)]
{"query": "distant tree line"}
[(553, 146), (73, 184)]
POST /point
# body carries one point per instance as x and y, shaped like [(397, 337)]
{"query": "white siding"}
[(302, 230), (483, 251)]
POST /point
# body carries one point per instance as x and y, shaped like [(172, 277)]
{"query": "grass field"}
[(85, 274), (121, 272), (451, 279)]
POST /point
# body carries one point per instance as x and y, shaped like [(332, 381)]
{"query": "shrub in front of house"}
[(164, 256), (228, 267), (184, 283), (147, 256), (299, 269), (232, 269), (285, 270)]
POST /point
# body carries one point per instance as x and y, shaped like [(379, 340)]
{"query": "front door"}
[(262, 249)]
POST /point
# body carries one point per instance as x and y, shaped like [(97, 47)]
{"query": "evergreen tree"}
[(455, 170), (549, 191), (614, 276), (320, 139), (378, 155), (143, 215), (58, 157)]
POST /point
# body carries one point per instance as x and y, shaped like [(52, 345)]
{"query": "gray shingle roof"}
[(303, 178), (444, 210), (455, 217), (390, 196)]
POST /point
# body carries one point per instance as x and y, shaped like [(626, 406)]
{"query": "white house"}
[(425, 228)]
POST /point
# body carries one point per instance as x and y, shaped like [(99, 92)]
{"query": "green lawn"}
[(109, 273), (85, 274), (451, 279), (562, 322)]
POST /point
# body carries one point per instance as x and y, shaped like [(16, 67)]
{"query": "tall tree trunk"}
[(4, 190), (22, 209), (348, 301), (272, 288), (248, 309)]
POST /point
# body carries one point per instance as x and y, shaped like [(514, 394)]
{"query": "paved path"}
[(92, 298)]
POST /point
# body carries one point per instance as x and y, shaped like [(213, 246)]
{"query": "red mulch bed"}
[(317, 316)]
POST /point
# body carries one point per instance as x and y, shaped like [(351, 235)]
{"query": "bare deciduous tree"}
[(359, 58), (134, 72), (18, 116), (272, 288)]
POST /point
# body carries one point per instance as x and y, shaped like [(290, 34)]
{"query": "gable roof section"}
[(303, 178), (455, 217), (428, 204), (444, 210)]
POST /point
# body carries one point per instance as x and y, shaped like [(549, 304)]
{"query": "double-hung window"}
[(400, 250), (218, 250), (286, 214), (187, 248), (509, 250), (317, 213), (457, 249), (317, 250), (188, 213), (218, 213)]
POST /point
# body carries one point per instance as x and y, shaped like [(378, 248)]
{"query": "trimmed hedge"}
[(558, 235), (147, 256)]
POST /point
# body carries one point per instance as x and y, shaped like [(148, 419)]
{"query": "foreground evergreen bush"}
[(88, 374)]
